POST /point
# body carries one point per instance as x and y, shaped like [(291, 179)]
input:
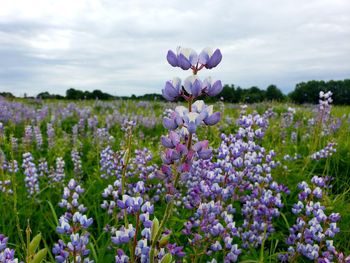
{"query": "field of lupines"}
[(128, 181)]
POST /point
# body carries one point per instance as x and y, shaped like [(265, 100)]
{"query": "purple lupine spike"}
[(30, 171), (73, 224), (38, 137)]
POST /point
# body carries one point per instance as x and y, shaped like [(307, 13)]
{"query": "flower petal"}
[(214, 59), (212, 119), (172, 58)]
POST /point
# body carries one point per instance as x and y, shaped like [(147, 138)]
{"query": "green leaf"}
[(34, 244), (92, 248), (39, 256), (164, 240), (53, 212), (167, 258), (154, 229)]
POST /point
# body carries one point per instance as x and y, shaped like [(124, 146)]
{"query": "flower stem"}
[(125, 165), (167, 214)]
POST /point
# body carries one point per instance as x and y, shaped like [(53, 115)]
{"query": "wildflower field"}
[(176, 181)]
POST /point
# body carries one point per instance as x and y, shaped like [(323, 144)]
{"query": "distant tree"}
[(151, 97), (98, 94), (274, 93), (308, 92), (253, 95), (73, 94), (7, 94), (47, 95), (228, 93)]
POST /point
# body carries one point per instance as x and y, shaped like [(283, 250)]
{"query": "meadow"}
[(137, 181)]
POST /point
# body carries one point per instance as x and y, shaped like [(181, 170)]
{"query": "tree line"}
[(304, 92)]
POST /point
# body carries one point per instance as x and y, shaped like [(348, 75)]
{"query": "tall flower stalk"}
[(183, 122)]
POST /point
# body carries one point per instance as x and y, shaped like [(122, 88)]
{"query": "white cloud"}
[(120, 46)]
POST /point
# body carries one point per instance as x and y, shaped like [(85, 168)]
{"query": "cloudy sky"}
[(120, 46)]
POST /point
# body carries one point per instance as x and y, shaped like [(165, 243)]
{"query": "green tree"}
[(274, 93)]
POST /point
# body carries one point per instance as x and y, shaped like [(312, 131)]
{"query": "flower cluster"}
[(192, 87), (324, 112), (1, 131), (187, 58), (189, 119), (28, 136), (38, 137), (43, 167), (325, 152), (73, 224), (325, 101), (50, 135), (141, 165), (126, 234), (5, 186), (31, 176), (76, 163), (109, 163), (58, 174), (312, 234), (241, 177), (6, 166), (7, 255)]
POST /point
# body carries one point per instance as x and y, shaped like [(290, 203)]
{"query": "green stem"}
[(261, 259), (28, 242), (125, 165), (167, 214), (14, 188)]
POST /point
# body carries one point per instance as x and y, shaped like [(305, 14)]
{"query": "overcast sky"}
[(120, 46)]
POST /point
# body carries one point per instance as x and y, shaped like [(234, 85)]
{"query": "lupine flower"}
[(187, 58), (58, 175), (50, 135), (73, 224), (7, 255), (76, 162), (123, 235), (43, 168), (210, 58), (38, 137), (200, 114), (311, 235), (1, 130), (30, 171), (121, 257), (211, 88), (28, 135), (172, 89), (192, 88), (14, 144), (325, 153)]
